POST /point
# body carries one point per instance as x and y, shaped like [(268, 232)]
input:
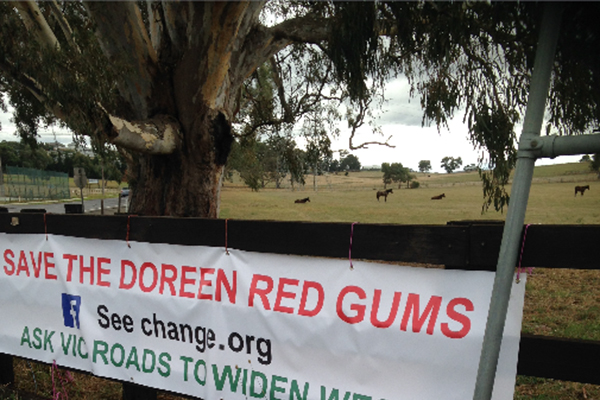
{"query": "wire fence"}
[(33, 184)]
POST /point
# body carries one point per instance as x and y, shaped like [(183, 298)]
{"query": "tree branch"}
[(156, 136), (357, 122), (64, 24), (35, 23)]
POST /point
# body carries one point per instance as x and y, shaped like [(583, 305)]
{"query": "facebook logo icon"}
[(70, 306)]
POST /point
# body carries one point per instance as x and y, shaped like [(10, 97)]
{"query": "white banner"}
[(194, 320)]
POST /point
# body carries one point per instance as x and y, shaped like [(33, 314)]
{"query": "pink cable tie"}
[(350, 248), (529, 269)]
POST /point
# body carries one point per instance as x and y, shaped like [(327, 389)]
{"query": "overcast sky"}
[(401, 120)]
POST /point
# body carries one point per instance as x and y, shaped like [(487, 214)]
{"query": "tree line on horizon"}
[(59, 158)]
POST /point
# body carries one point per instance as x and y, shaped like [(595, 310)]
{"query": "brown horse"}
[(302, 201), (439, 197), (581, 189), (384, 194)]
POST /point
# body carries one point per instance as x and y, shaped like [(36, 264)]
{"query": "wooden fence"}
[(457, 245)]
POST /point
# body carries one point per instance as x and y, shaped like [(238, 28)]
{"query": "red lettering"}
[(412, 307), (205, 282), (10, 268), (393, 311), (133, 269), (83, 270), (36, 266), (262, 293), (320, 298), (22, 264), (70, 258), (169, 280), (148, 266), (358, 308), (185, 270), (458, 317), (103, 271), (231, 289), (282, 294), (48, 265)]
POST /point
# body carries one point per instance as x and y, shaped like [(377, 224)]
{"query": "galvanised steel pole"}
[(515, 217)]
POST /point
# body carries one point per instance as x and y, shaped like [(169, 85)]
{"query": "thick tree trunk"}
[(186, 183), (178, 185)]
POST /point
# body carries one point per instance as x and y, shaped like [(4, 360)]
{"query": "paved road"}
[(90, 206)]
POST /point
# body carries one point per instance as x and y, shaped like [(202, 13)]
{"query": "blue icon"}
[(70, 306)]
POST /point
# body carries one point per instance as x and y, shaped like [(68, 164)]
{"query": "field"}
[(352, 198), (558, 302)]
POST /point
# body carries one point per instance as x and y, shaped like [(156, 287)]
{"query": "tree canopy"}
[(451, 163), (172, 84)]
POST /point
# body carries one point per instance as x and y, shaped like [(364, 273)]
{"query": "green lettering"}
[(37, 337), (117, 362), (185, 360), (25, 337), (262, 384), (48, 341), (65, 346), (82, 355), (295, 391), (161, 360), (149, 369), (361, 397), (275, 388), (133, 359), (100, 349), (220, 382), (196, 368), (332, 396)]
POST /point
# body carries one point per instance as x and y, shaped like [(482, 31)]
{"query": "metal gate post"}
[(515, 217)]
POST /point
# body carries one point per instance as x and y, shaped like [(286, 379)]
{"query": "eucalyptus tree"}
[(172, 83)]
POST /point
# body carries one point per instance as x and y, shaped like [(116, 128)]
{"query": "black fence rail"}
[(457, 245)]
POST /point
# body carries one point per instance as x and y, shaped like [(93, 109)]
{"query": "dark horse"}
[(439, 197), (302, 200), (581, 189), (384, 194)]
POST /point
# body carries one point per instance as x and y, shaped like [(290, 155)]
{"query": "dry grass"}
[(557, 303)]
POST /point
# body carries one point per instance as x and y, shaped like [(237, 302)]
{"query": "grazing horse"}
[(384, 194), (302, 201), (439, 197), (581, 189)]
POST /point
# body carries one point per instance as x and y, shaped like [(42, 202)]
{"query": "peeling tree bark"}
[(158, 136)]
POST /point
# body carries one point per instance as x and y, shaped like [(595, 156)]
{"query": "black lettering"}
[(263, 346), (144, 322), (104, 322), (240, 342), (128, 323), (116, 321)]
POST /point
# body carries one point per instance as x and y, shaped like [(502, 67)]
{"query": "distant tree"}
[(350, 163), (470, 167), (424, 166), (595, 164), (396, 173), (585, 158), (450, 164)]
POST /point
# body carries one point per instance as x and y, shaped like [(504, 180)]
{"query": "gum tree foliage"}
[(171, 84), (450, 164), (395, 173), (424, 166)]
